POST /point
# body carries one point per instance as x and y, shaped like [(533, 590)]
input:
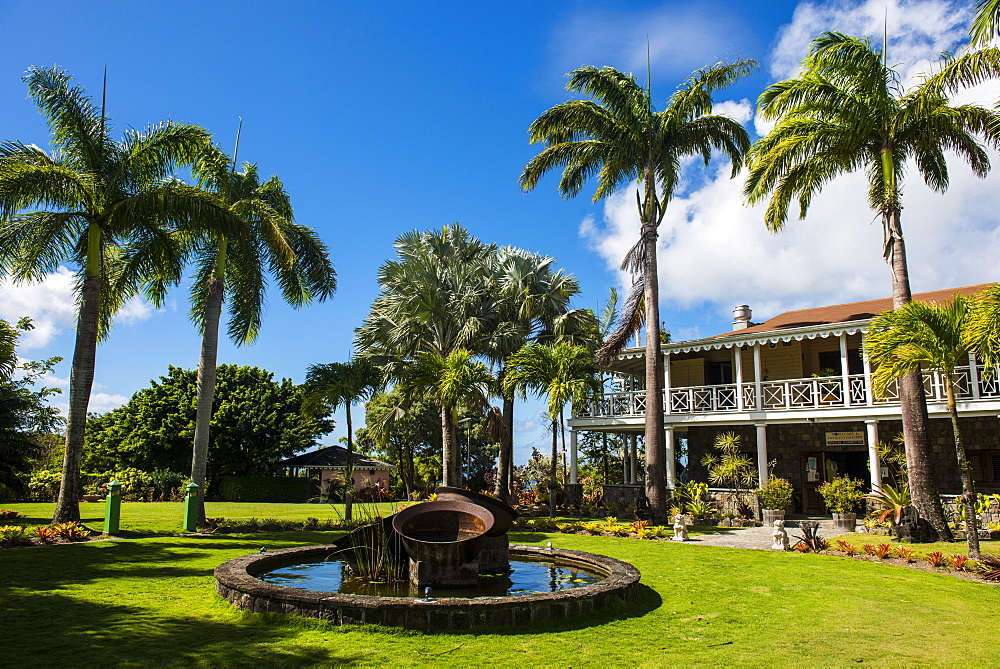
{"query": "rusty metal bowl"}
[(503, 515), (443, 532)]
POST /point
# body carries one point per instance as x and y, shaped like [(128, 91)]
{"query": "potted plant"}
[(842, 496), (774, 497)]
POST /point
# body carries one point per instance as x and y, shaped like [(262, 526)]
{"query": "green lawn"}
[(167, 517), (151, 601)]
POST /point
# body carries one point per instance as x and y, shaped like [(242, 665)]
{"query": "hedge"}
[(292, 489)]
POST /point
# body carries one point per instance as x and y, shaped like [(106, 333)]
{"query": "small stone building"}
[(330, 464)]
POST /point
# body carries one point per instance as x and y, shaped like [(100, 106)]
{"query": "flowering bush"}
[(842, 494), (775, 494)]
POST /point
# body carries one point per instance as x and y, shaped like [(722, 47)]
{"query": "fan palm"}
[(564, 372), (619, 137), (76, 206), (434, 298), (452, 382), (921, 335), (847, 112), (327, 387), (532, 304)]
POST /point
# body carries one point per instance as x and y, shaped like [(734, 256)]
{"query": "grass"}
[(920, 551), (167, 517), (138, 602)]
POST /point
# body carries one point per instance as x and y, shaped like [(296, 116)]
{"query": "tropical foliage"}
[(618, 138), (847, 112)]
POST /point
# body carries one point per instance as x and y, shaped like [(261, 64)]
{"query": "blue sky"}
[(382, 117)]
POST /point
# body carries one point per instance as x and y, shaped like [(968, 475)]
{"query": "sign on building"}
[(845, 439)]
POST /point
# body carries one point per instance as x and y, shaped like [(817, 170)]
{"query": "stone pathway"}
[(750, 537)]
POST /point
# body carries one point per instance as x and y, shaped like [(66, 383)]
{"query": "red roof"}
[(840, 313)]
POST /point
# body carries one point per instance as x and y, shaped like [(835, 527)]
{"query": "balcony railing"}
[(788, 395)]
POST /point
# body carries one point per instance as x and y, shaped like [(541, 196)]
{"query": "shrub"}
[(775, 494), (842, 494), (136, 484), (847, 547), (43, 486), (904, 552), (9, 515), (277, 489), (882, 551), (959, 561), (988, 567), (14, 535), (71, 531), (936, 559)]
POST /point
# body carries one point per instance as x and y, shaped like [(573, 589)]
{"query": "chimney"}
[(741, 317)]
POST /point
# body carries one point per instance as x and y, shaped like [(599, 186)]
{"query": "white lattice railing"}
[(789, 395)]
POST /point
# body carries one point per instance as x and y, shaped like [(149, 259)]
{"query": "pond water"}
[(525, 578)]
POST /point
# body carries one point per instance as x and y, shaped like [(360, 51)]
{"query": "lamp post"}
[(468, 448)]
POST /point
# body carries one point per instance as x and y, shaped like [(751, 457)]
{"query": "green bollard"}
[(191, 508), (113, 508)]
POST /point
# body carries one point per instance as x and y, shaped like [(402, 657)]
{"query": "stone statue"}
[(780, 536), (680, 528)]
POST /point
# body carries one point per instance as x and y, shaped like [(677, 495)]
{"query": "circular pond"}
[(239, 582), (525, 578)]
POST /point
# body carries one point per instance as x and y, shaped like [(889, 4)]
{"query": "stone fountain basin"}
[(236, 582), (503, 514), (443, 532)]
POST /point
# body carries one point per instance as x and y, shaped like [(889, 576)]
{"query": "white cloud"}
[(99, 402), (715, 253), (741, 110), (50, 304)]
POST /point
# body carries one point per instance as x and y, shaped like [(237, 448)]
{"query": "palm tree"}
[(435, 299), (234, 268), (921, 335), (454, 381), (77, 205), (327, 387), (564, 372), (986, 23), (618, 137), (847, 112), (532, 304)]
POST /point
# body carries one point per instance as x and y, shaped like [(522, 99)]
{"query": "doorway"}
[(818, 467)]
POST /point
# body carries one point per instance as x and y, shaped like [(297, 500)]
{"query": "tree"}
[(434, 299), (986, 23), (456, 381), (76, 205), (618, 137), (257, 421), (532, 304), (332, 385), (25, 416), (848, 112), (933, 336), (236, 265), (564, 372)]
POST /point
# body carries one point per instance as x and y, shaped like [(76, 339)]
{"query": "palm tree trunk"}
[(80, 383), (451, 474), (913, 403), (207, 368), (656, 460), (552, 469), (562, 436), (965, 469), (349, 488), (506, 456)]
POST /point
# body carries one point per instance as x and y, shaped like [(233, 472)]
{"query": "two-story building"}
[(797, 388)]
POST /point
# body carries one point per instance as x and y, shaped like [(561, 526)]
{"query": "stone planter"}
[(845, 522), (768, 516)]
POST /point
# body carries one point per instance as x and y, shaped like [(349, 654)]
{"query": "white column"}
[(738, 371), (666, 382), (845, 381), (633, 460), (761, 452), (874, 463), (758, 377), (572, 456), (973, 376), (866, 363), (671, 457)]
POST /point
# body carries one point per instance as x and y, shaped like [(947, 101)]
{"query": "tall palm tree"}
[(454, 381), (435, 299), (848, 112), (330, 385), (564, 372), (532, 304), (234, 268), (933, 336), (77, 205), (986, 23), (618, 137)]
